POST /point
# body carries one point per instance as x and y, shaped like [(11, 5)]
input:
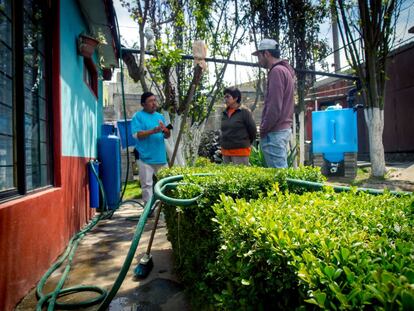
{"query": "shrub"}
[(210, 146), (318, 249), (193, 234), (256, 157)]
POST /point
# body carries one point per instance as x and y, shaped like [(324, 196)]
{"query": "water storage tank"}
[(334, 132), (335, 141), (109, 154)]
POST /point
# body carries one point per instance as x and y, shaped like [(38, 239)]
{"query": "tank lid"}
[(107, 129)]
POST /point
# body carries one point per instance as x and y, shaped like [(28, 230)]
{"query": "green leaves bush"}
[(193, 234), (319, 249), (253, 243)]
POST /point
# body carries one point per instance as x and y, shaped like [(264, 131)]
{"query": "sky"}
[(240, 74), (234, 74)]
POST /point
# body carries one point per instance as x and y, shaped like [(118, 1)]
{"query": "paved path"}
[(100, 257), (403, 172)]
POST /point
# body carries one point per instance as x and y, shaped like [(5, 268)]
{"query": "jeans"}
[(274, 148)]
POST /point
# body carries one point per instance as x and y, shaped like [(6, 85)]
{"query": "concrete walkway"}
[(402, 171), (100, 256)]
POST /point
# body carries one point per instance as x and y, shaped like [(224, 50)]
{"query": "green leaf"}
[(312, 301), (409, 274), (377, 293), (350, 276), (353, 293), (338, 272), (345, 253), (338, 294), (320, 298), (329, 271)]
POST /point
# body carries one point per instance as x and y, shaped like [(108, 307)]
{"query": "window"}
[(6, 95), (90, 75), (25, 140)]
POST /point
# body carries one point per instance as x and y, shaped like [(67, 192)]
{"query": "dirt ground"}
[(399, 177)]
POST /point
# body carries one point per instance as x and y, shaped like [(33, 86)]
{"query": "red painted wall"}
[(35, 229)]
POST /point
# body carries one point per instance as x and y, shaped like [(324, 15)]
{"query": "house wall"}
[(35, 228), (399, 107), (81, 110)]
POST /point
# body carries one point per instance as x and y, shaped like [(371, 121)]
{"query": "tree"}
[(303, 19), (176, 24), (367, 30), (294, 24), (140, 11)]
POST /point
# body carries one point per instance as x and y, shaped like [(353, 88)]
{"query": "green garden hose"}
[(319, 186), (105, 297), (160, 186)]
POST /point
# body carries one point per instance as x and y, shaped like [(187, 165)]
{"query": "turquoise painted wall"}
[(82, 113)]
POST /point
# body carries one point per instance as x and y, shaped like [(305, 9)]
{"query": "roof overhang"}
[(100, 17)]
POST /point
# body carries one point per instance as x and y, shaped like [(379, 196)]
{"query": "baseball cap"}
[(266, 44)]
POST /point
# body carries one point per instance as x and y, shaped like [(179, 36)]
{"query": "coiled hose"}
[(105, 297)]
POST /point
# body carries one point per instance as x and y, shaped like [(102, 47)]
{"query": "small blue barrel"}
[(93, 184), (124, 128), (109, 154)]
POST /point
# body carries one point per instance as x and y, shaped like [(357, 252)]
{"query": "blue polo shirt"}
[(152, 148)]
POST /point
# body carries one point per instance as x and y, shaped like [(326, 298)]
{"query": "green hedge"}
[(315, 250), (193, 234)]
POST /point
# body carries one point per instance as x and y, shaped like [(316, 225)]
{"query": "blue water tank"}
[(334, 132), (93, 184), (123, 129), (109, 154)]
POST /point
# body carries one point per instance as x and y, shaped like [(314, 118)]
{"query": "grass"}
[(365, 180), (363, 175), (133, 190)]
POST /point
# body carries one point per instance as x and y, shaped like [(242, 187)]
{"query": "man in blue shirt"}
[(148, 127)]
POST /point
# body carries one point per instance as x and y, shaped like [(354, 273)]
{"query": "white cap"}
[(266, 44)]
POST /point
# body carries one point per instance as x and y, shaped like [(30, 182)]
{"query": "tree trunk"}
[(170, 142), (192, 141), (301, 103), (198, 72), (141, 67), (301, 137), (292, 142), (374, 117), (187, 150)]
